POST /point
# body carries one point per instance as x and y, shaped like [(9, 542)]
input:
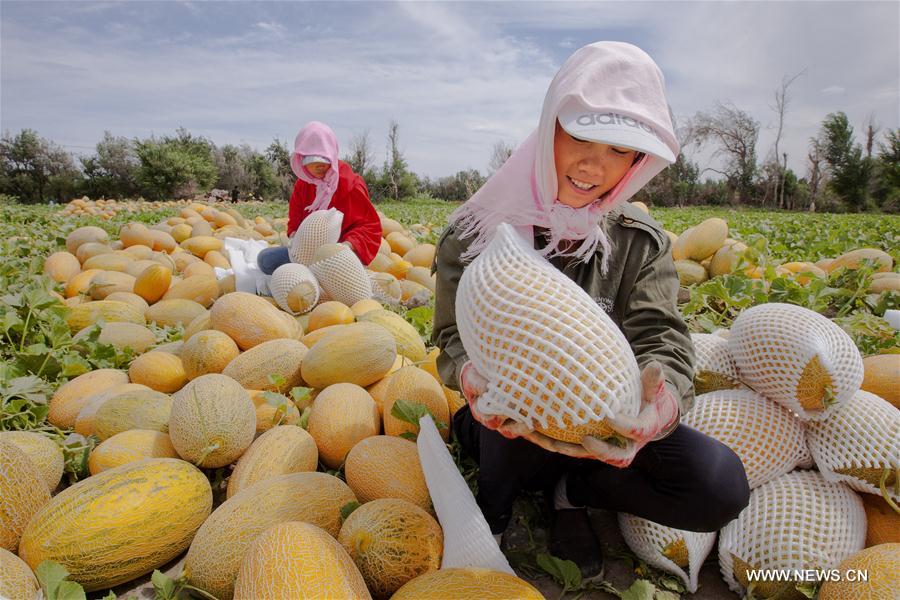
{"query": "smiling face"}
[(587, 170), (317, 169)]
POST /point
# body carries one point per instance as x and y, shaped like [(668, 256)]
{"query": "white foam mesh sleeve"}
[(319, 228), (648, 540), (857, 442), (714, 367), (385, 288), (549, 352), (285, 278), (784, 352), (798, 521), (343, 277), (769, 439)]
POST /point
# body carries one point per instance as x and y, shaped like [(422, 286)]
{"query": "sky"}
[(458, 77)]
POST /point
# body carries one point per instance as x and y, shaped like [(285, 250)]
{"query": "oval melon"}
[(22, 494), (122, 335), (273, 409), (17, 582), (468, 583), (280, 358), (281, 450), (43, 452), (70, 398), (84, 423), (421, 255), (133, 409), (153, 282), (342, 415), (203, 289), (882, 377), (159, 371), (854, 258), (133, 300), (61, 266), (409, 342), (110, 311), (385, 466), (329, 313), (130, 446), (249, 320), (417, 386), (360, 353), (83, 235), (881, 567), (130, 520), (177, 311), (213, 421), (215, 555), (207, 351)]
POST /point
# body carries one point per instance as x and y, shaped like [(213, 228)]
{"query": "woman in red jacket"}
[(325, 182)]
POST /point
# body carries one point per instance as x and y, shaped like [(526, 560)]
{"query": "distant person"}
[(235, 194), (325, 182)]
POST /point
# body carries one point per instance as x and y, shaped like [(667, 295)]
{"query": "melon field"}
[(167, 433)]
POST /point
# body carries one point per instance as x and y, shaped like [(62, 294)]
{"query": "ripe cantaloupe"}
[(690, 272), (726, 258), (329, 313), (364, 306), (882, 522), (17, 582), (409, 342), (281, 450), (417, 386), (467, 584), (61, 266), (22, 494), (421, 255), (131, 299), (360, 353), (70, 398), (199, 245), (215, 554), (122, 335), (854, 258), (701, 241), (399, 242), (248, 319), (159, 371), (109, 262), (198, 268), (202, 289), (105, 283), (88, 313), (130, 520), (385, 466), (422, 276), (78, 284), (281, 358), (130, 446), (309, 340), (389, 226), (43, 452), (84, 423), (273, 409), (881, 376), (207, 351), (176, 311), (200, 323), (342, 415), (881, 564), (392, 541), (83, 235), (90, 249), (213, 421), (133, 409), (298, 560)]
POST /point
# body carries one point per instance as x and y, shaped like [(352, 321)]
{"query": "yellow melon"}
[(208, 351), (399, 267), (422, 276), (272, 365), (109, 262), (133, 409), (273, 409), (329, 313), (17, 582), (131, 299), (360, 353), (215, 555), (88, 313), (130, 446), (298, 560), (199, 245), (86, 251), (139, 252), (43, 452), (382, 261), (79, 283), (854, 258), (409, 342), (882, 521), (181, 232), (159, 371), (726, 258), (177, 311), (199, 323), (130, 520), (105, 283), (122, 335), (133, 234), (61, 266), (71, 397), (363, 306), (701, 241), (389, 226), (213, 421), (198, 268), (882, 376), (399, 242), (84, 235), (421, 255), (281, 450), (392, 541), (419, 387), (342, 415), (84, 423), (214, 258), (385, 466), (203, 289), (467, 584), (690, 272), (249, 320), (22, 494), (309, 340), (880, 565)]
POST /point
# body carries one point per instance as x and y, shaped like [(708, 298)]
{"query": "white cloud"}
[(834, 90)]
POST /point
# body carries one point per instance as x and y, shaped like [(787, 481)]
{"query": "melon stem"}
[(882, 485)]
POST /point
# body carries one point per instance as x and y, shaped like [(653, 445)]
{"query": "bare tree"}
[(816, 173), (872, 129), (781, 102), (359, 156), (501, 152), (735, 134)]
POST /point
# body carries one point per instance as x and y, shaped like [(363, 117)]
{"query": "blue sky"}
[(458, 77)]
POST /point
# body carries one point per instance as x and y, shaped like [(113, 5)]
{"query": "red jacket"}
[(361, 226)]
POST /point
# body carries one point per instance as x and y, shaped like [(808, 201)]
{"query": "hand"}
[(473, 384), (658, 415)]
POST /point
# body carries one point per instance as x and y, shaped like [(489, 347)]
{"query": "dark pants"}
[(272, 258), (687, 480)]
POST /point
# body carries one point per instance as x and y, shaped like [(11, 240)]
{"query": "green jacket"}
[(638, 293)]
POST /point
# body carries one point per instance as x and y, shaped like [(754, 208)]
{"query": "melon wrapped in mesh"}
[(796, 357), (340, 274), (714, 367), (768, 438), (294, 288), (859, 444), (319, 228), (385, 288), (672, 550), (798, 521), (552, 357)]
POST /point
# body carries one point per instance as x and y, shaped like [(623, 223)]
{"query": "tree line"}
[(842, 175)]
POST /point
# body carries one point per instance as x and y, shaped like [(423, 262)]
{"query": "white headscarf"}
[(603, 77)]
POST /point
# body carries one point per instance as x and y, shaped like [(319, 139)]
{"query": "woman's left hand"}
[(658, 415)]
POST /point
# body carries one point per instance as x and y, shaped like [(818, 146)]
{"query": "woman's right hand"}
[(473, 384)]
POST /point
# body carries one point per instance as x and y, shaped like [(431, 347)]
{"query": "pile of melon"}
[(705, 251), (403, 265)]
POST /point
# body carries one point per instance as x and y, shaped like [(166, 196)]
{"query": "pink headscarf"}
[(603, 77), (317, 139)]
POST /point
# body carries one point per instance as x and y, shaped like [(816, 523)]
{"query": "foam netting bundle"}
[(550, 354), (385, 288), (859, 444), (798, 521), (667, 548), (796, 357), (319, 228), (286, 278), (343, 277), (769, 439), (714, 367)]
